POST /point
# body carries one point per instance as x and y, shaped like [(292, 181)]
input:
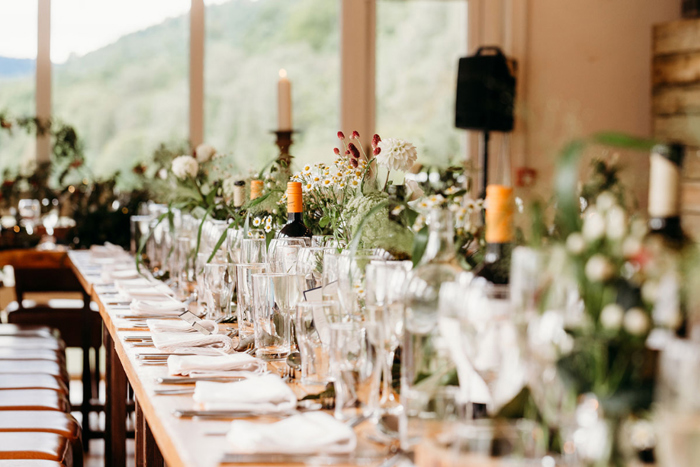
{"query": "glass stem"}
[(387, 390)]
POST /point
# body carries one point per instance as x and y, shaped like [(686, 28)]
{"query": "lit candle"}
[(284, 103)]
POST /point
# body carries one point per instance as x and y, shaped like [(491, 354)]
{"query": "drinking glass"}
[(139, 229), (310, 265), (282, 253), (244, 308), (253, 250), (352, 269), (218, 285), (284, 259), (200, 262), (489, 340), (233, 245), (383, 300), (329, 276), (274, 297), (313, 337), (185, 261), (355, 370)]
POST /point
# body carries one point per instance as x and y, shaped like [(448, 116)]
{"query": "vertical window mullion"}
[(196, 112), (43, 78)]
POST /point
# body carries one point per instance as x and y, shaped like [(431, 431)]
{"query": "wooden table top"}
[(183, 442)]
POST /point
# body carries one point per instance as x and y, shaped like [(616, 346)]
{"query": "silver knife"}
[(185, 380), (191, 318), (272, 458), (227, 414)]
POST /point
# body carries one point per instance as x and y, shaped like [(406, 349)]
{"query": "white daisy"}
[(256, 222)]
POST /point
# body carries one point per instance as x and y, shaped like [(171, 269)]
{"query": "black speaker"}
[(485, 91)]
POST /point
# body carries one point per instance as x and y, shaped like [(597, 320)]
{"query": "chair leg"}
[(87, 373)]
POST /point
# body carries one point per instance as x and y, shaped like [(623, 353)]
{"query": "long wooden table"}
[(160, 436)]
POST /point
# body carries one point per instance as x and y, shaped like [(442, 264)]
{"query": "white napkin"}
[(195, 343), (169, 325), (237, 364), (165, 308), (124, 284), (263, 394), (159, 293), (305, 433), (111, 274)]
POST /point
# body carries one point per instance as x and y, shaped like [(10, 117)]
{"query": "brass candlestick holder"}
[(284, 141)]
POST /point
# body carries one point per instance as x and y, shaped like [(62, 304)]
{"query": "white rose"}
[(414, 188), (185, 166), (650, 291), (636, 321), (616, 223), (593, 226), (599, 269), (631, 246), (605, 201), (611, 316), (204, 153), (163, 174), (396, 154), (575, 243)]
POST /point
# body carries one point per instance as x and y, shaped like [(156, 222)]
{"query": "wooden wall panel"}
[(676, 105)]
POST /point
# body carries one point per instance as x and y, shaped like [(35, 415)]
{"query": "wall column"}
[(43, 78), (357, 68), (196, 116)]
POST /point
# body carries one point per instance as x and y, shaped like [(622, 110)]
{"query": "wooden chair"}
[(79, 325)]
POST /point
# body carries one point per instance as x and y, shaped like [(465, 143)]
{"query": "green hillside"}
[(128, 97)]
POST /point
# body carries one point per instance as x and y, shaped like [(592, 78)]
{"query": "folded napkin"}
[(111, 274), (195, 343), (152, 292), (236, 364), (260, 394), (150, 307), (306, 433), (131, 283), (169, 325)]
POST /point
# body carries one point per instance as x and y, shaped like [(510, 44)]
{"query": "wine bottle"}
[(495, 266), (664, 206), (256, 188), (295, 226), (665, 241), (238, 194)]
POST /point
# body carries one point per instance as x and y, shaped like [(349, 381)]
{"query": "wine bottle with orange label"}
[(499, 235), (295, 226)]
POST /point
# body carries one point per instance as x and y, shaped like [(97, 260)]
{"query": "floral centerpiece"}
[(602, 358)]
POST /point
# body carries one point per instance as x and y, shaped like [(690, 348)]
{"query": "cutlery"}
[(319, 459), (173, 392), (185, 380), (227, 414)]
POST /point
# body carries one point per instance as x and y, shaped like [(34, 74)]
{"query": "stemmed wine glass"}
[(489, 339), (383, 299)]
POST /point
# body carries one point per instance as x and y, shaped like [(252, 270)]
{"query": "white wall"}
[(588, 69)]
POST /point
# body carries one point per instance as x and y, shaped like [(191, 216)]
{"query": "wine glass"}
[(489, 340), (352, 267), (384, 302), (253, 250), (310, 264), (282, 259), (218, 286)]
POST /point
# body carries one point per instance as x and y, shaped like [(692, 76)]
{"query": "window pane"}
[(247, 43), (18, 39), (419, 43), (121, 76)]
